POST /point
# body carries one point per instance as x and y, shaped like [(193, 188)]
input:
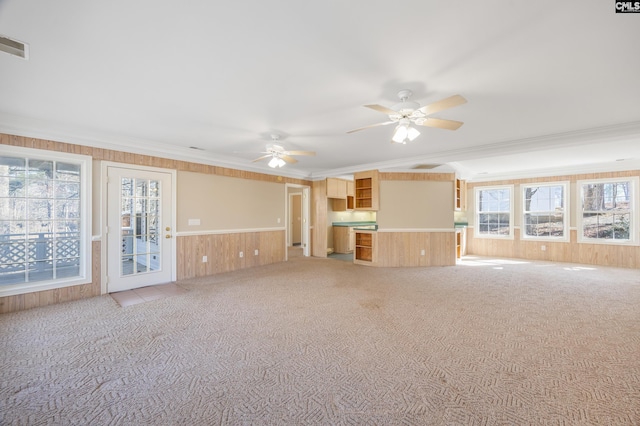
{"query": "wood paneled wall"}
[(143, 160), (620, 256), (441, 177), (319, 218), (402, 249), (223, 252), (271, 250), (21, 302)]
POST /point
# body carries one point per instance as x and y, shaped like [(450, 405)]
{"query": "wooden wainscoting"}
[(622, 256), (21, 302), (223, 252), (403, 249)]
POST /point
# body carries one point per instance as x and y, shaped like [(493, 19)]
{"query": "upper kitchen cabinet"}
[(336, 188), (367, 190), (460, 195)]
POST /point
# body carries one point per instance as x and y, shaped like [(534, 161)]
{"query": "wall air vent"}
[(14, 47)]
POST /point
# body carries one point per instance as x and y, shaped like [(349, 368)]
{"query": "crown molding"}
[(517, 146), (143, 147), (22, 126)]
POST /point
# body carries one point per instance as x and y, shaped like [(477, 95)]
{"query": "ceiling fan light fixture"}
[(276, 162), (400, 134), (412, 133), (404, 132)]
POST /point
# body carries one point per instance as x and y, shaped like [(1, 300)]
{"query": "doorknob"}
[(167, 236), (167, 228)]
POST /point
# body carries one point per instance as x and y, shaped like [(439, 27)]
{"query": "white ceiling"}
[(551, 86)]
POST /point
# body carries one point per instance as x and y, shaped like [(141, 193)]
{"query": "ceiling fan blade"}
[(262, 158), (449, 102), (383, 109), (300, 153), (373, 125), (288, 159), (441, 123)]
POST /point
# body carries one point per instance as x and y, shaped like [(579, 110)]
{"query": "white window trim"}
[(633, 217), (476, 228), (567, 211), (84, 277)]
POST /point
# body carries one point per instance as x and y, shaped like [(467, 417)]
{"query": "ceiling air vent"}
[(14, 47), (426, 166)]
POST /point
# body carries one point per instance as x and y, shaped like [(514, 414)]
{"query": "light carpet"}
[(318, 341)]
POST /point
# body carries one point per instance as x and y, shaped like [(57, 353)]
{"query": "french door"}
[(139, 233)]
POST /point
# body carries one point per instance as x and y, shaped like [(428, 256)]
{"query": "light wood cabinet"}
[(460, 194), (365, 247), (345, 204), (343, 239), (336, 188), (350, 195), (367, 191)]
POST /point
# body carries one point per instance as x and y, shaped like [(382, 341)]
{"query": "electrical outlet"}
[(256, 252), (543, 248), (204, 259), (241, 254), (422, 252)]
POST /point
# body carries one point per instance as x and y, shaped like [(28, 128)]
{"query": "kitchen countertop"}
[(366, 225), (353, 224), (460, 224)]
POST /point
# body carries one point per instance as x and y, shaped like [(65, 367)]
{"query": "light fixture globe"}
[(273, 163), (400, 134), (404, 132)]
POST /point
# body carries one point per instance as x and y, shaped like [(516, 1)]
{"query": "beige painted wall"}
[(226, 203), (415, 204)]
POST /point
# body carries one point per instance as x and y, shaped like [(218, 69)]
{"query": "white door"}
[(139, 245)]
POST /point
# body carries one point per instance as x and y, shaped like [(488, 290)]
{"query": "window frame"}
[(85, 268), (477, 233), (633, 211), (566, 237)]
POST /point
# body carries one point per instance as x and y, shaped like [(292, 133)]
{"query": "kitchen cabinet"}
[(461, 242), (336, 188), (365, 247), (350, 195), (460, 194), (367, 191), (343, 239)]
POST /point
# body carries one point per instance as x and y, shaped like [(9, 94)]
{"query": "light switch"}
[(194, 222)]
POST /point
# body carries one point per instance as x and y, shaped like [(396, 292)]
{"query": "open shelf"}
[(364, 247), (366, 190)]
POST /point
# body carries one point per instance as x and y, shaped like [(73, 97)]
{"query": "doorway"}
[(140, 227), (298, 220)]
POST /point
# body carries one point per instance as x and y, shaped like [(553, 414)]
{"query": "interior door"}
[(139, 245), (296, 219)]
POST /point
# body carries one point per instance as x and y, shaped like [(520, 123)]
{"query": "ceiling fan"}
[(407, 112), (278, 155)]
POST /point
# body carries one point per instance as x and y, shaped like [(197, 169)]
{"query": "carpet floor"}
[(316, 341)]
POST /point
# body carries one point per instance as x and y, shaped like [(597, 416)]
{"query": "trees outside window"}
[(608, 209), (545, 211), (494, 212)]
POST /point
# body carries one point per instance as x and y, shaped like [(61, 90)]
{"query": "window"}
[(494, 209), (44, 218), (608, 209), (544, 211)]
